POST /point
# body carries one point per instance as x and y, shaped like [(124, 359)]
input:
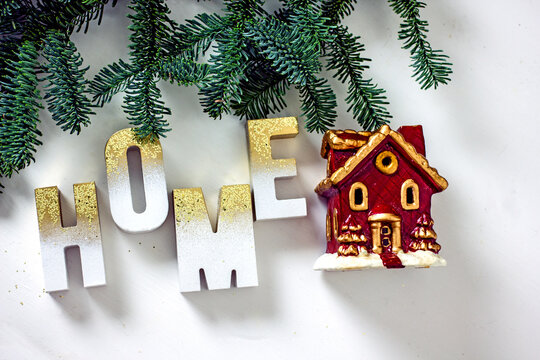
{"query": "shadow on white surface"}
[(111, 297), (238, 304), (423, 312), (16, 189), (74, 301)]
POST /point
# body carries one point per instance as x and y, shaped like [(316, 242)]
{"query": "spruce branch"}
[(312, 26), (292, 55), (318, 104), (24, 26), (263, 92), (158, 50), (366, 100), (67, 88), (431, 67), (297, 58), (299, 4), (227, 66), (8, 7), (182, 70), (255, 58), (336, 10), (241, 12), (144, 108), (221, 87), (151, 31), (70, 15), (10, 51), (198, 33), (19, 111), (110, 80)]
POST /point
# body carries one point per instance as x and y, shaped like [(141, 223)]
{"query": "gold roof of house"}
[(338, 140), (372, 140)]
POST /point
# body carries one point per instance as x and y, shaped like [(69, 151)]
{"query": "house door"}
[(386, 238)]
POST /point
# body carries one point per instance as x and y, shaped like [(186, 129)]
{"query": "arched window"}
[(410, 195), (358, 197)]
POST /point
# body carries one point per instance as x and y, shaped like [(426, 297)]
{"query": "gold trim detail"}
[(348, 250), (376, 237), (375, 139), (384, 217), (396, 236), (416, 195), (376, 225), (351, 238), (351, 228), (332, 140), (423, 233), (328, 228), (335, 223), (328, 170), (425, 245), (389, 168), (352, 203), (419, 159), (434, 247)]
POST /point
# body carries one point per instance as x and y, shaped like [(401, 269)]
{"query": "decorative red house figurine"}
[(379, 186)]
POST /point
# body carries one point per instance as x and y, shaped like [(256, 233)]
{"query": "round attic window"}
[(386, 162)]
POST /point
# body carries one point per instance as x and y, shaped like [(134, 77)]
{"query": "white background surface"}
[(481, 133)]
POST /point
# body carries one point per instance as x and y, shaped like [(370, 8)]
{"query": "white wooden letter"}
[(54, 238), (264, 169), (155, 187), (232, 247)]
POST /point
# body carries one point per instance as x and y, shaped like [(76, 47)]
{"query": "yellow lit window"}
[(410, 195), (358, 197)]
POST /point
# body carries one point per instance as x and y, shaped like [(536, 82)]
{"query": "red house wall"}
[(384, 191)]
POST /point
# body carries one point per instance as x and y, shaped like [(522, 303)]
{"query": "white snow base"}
[(333, 262)]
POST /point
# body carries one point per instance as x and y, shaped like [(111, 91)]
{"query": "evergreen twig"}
[(227, 65), (366, 100), (226, 71), (292, 55), (149, 43), (254, 59), (67, 88), (110, 80), (144, 108), (318, 104), (263, 91), (431, 67), (182, 70), (197, 34), (27, 29), (336, 10), (19, 112)]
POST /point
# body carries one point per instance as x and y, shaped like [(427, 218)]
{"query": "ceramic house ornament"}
[(379, 186)]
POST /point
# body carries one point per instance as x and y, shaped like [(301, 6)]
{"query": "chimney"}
[(415, 136)]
